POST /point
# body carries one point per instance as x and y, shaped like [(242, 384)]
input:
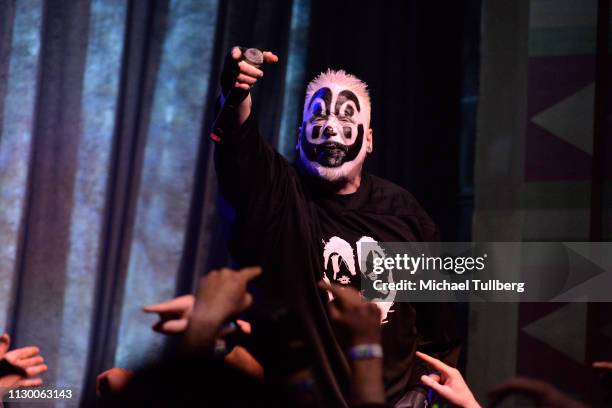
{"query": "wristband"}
[(220, 349), (365, 352)]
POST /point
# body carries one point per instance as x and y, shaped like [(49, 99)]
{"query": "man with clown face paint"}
[(305, 222), (335, 136)]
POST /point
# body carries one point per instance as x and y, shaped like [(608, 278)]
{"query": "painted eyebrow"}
[(325, 94), (343, 97)]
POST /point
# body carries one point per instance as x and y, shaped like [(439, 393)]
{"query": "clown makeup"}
[(333, 137), (331, 141)]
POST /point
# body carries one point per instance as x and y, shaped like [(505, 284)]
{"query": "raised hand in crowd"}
[(20, 367), (603, 365), (111, 382), (173, 318), (221, 294), (359, 322), (173, 314), (358, 319), (448, 382), (239, 357), (543, 393)]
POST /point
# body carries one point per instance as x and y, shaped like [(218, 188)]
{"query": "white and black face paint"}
[(332, 137)]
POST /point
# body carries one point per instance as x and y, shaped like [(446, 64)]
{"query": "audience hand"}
[(173, 314), (229, 330), (112, 382), (359, 322), (240, 359), (542, 392), (449, 383), (5, 342), (603, 365), (221, 295), (360, 319), (19, 367)]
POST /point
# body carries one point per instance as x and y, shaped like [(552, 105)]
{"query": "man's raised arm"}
[(251, 173), (238, 76)]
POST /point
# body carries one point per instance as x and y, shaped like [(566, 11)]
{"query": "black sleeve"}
[(252, 176)]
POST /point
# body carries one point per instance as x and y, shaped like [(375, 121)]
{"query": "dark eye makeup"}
[(349, 111)]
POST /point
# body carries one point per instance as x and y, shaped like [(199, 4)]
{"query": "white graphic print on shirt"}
[(341, 267)]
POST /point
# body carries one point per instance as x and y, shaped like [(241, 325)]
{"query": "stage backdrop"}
[(543, 173), (108, 199)]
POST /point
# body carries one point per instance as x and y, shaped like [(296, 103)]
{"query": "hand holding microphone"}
[(241, 70)]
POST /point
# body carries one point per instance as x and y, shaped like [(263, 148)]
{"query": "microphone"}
[(226, 118)]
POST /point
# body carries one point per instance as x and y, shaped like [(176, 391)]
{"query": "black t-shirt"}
[(300, 234)]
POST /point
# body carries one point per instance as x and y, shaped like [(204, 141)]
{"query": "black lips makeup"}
[(332, 133)]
